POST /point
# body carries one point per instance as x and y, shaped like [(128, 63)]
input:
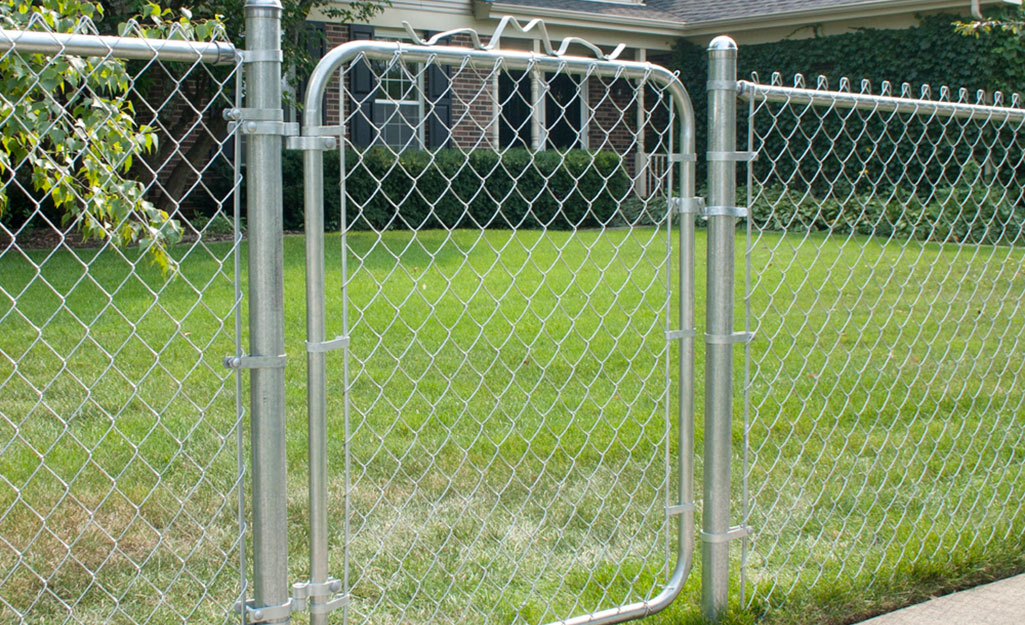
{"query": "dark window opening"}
[(562, 111), (514, 99)]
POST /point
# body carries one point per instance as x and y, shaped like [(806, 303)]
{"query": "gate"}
[(513, 395)]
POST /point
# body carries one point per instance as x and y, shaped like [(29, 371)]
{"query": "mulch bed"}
[(49, 239)]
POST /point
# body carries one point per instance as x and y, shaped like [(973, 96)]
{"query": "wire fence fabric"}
[(885, 392), (120, 475)]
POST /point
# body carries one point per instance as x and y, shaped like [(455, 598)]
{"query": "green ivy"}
[(931, 53), (968, 211)]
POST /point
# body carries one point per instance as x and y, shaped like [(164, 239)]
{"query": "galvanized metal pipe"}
[(879, 103), (266, 314), (332, 62), (316, 376), (37, 42), (335, 59), (722, 129)]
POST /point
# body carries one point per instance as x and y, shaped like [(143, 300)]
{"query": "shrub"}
[(452, 188), (219, 224), (967, 211)]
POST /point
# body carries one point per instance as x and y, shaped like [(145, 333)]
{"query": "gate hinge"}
[(739, 212), (265, 614), (340, 342), (310, 143), (260, 122), (677, 157), (734, 533), (729, 339), (731, 156), (687, 205), (672, 335), (255, 362), (680, 509), (316, 138), (303, 593)]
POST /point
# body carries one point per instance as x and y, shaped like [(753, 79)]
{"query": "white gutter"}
[(977, 10)]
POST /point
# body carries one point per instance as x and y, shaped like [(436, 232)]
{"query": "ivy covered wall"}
[(931, 53)]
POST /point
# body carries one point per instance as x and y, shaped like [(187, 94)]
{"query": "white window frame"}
[(416, 73)]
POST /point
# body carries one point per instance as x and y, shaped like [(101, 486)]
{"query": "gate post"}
[(722, 214), (270, 602)]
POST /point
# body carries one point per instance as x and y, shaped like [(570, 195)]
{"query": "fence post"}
[(719, 338), (266, 314)]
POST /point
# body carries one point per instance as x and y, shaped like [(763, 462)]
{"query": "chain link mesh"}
[(119, 425), (504, 287), (885, 391)]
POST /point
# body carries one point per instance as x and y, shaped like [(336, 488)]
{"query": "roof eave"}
[(876, 8), (563, 17)]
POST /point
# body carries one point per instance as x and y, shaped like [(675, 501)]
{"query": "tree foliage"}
[(297, 38), (1009, 21), (68, 123), (297, 41)]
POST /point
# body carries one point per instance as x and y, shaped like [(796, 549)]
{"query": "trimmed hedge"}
[(451, 188), (967, 212)]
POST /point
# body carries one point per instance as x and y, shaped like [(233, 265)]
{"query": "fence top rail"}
[(134, 48), (752, 91)]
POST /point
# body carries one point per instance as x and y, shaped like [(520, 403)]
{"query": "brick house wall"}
[(473, 104), (334, 36), (186, 115), (614, 119)]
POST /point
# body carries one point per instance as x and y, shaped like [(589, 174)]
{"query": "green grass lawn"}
[(507, 426)]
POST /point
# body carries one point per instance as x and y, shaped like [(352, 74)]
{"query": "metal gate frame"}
[(315, 138)]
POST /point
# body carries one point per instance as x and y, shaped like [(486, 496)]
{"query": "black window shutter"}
[(362, 88), (439, 102)]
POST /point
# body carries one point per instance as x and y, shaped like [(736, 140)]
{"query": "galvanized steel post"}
[(722, 216), (266, 314)]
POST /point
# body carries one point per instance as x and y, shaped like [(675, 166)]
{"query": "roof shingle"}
[(692, 11)]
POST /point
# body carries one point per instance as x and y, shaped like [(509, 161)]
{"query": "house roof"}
[(696, 12), (664, 10)]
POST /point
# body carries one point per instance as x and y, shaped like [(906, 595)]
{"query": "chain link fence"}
[(884, 419), (508, 430), (505, 291), (119, 298)]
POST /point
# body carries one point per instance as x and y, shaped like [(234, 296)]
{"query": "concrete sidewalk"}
[(999, 603)]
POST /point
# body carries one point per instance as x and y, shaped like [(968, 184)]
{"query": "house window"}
[(399, 105), (514, 100)]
